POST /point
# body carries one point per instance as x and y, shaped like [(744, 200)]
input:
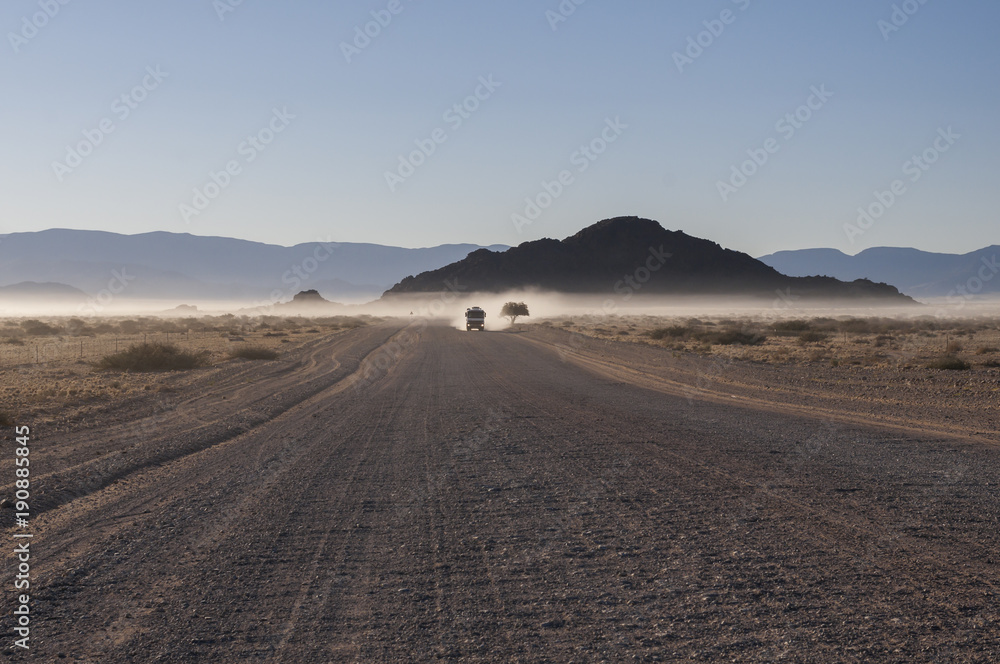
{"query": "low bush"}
[(152, 357), (672, 332), (791, 326), (811, 336), (883, 339), (37, 328), (950, 363), (253, 353), (734, 337), (856, 326)]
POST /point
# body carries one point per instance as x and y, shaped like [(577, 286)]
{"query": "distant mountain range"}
[(34, 291), (913, 272), (629, 255), (181, 266), (68, 265)]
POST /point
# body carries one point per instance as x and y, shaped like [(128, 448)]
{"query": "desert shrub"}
[(37, 328), (14, 341), (856, 325), (6, 419), (953, 347), (78, 328), (168, 326), (811, 336), (883, 339), (734, 336), (129, 326), (351, 322), (275, 334), (991, 363), (986, 350), (152, 357), (950, 363), (253, 353), (673, 332), (791, 326)]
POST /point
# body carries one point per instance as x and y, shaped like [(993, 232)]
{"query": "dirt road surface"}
[(397, 494)]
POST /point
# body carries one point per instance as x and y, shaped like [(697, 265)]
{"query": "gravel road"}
[(397, 494)]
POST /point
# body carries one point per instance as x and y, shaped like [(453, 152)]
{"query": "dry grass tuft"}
[(949, 363), (253, 353), (152, 357)]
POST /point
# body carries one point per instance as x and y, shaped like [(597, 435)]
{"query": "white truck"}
[(475, 319)]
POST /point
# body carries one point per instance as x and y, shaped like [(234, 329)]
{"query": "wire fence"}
[(39, 350)]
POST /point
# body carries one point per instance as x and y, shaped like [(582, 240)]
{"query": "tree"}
[(512, 310)]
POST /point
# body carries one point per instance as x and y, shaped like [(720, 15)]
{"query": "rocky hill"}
[(630, 254)]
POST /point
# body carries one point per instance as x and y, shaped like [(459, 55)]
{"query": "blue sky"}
[(309, 130)]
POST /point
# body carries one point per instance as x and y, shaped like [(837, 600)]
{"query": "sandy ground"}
[(51, 379), (873, 376), (393, 493)]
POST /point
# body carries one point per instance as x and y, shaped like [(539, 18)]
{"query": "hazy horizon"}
[(852, 252)]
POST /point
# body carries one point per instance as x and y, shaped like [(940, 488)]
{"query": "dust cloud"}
[(448, 307)]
